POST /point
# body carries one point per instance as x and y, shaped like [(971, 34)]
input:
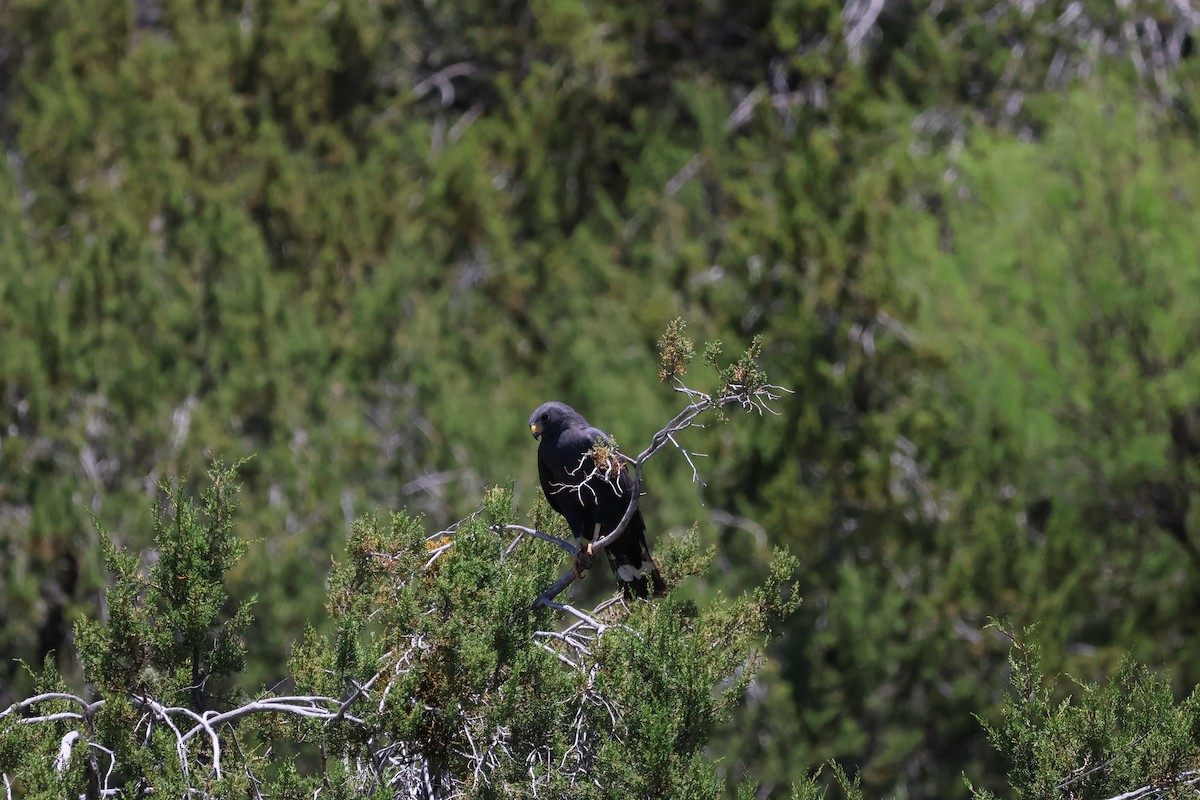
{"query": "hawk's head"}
[(551, 419)]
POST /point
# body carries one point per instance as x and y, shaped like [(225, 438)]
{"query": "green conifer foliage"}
[(1125, 736), (363, 238), (441, 677)]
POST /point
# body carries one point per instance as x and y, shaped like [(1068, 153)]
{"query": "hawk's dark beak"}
[(535, 430)]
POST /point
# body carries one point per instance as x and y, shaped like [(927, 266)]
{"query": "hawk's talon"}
[(583, 562)]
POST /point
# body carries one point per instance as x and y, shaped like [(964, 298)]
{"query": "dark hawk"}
[(592, 495)]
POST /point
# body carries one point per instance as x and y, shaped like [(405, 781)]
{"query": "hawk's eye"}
[(545, 416)]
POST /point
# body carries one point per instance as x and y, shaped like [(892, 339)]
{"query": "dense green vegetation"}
[(361, 240), (439, 679)]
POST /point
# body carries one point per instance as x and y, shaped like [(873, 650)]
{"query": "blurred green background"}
[(362, 239)]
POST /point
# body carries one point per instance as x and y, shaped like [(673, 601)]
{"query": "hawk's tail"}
[(642, 586), (631, 562)]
